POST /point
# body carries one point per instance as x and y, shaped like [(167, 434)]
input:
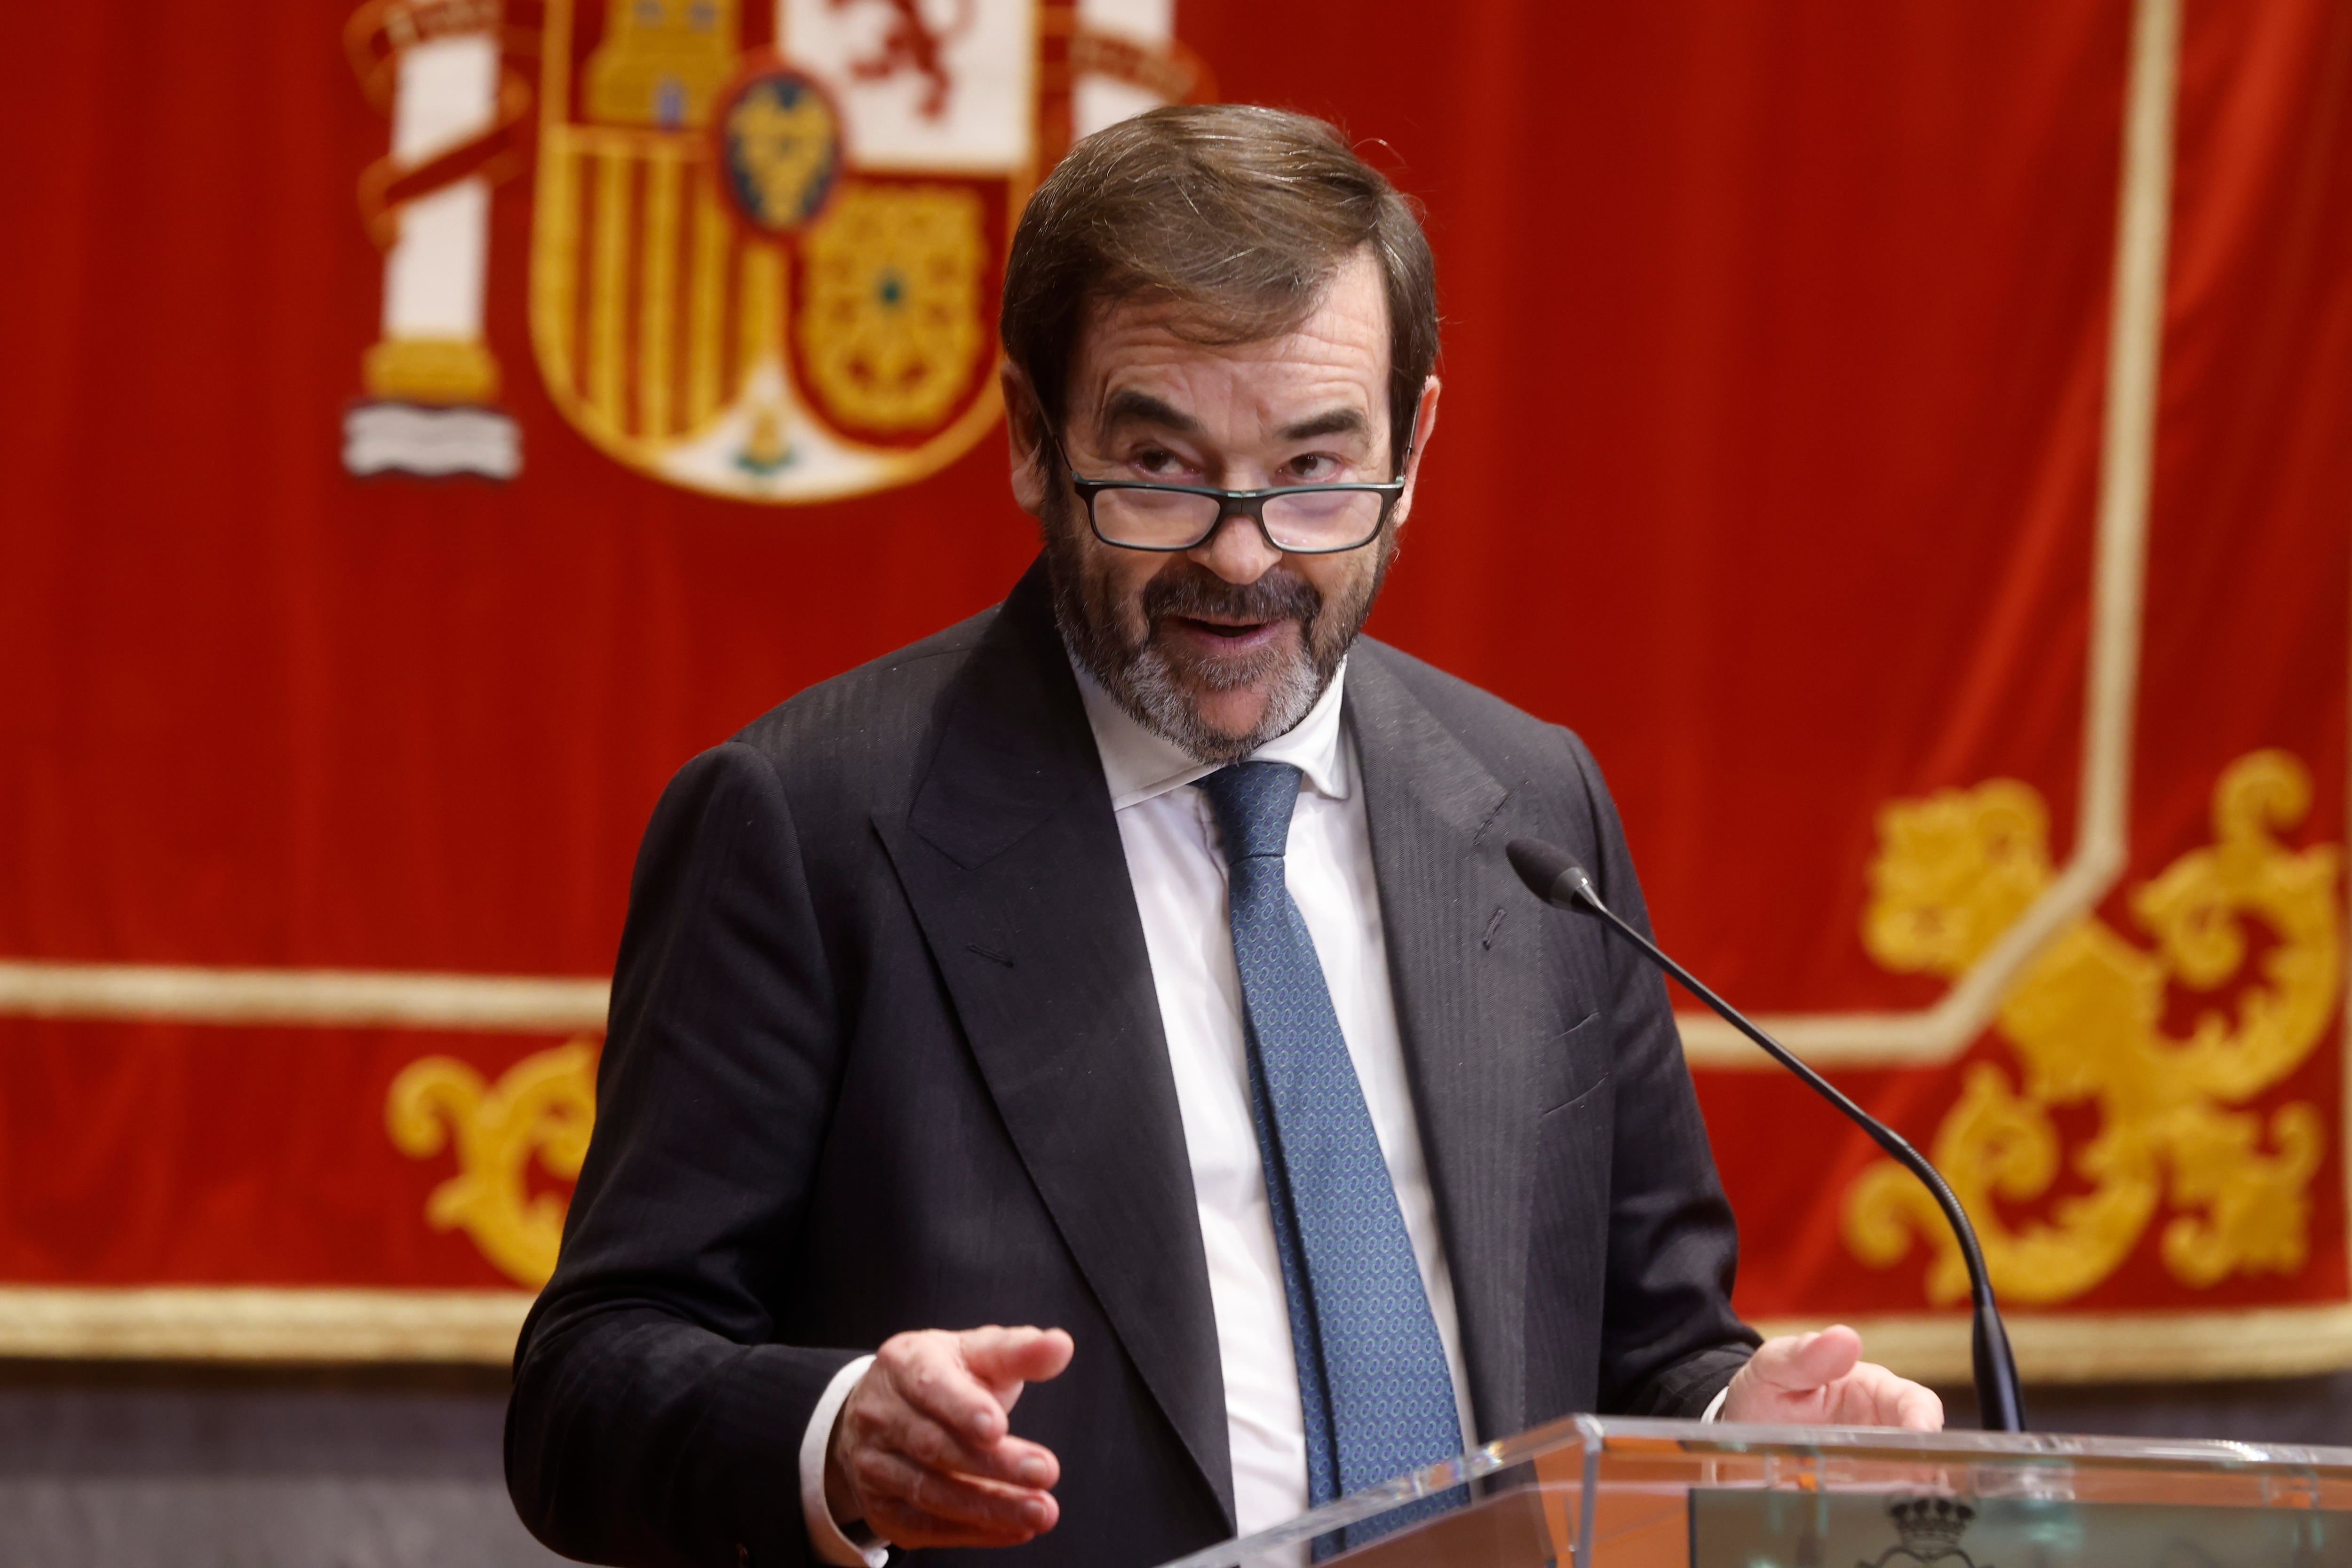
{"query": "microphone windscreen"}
[(1540, 865)]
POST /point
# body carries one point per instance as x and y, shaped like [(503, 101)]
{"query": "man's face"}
[(1226, 645)]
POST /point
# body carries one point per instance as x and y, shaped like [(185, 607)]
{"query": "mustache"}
[(1200, 594)]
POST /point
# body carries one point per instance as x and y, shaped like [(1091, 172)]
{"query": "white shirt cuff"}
[(1714, 1412), (827, 1539)]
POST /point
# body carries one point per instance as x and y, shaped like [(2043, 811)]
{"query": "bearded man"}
[(1138, 963)]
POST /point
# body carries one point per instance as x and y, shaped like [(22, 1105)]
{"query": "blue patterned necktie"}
[(1372, 1378)]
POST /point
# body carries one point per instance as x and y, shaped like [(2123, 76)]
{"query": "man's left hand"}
[(1821, 1380)]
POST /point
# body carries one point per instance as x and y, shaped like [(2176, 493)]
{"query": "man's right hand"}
[(923, 1451)]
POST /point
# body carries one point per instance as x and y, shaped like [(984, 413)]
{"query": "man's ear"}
[(1025, 437), (1424, 426)]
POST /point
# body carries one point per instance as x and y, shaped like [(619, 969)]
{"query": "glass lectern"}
[(1610, 1492)]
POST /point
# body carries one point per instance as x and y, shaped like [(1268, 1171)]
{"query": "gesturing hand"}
[(923, 1452), (1821, 1379)]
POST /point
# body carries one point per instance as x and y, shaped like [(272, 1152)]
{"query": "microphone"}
[(1552, 875)]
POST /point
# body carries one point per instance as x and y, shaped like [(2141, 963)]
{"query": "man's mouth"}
[(1219, 635), (1226, 630)]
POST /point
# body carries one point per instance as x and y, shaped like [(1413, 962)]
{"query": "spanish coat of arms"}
[(766, 240)]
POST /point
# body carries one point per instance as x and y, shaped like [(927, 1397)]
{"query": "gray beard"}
[(1153, 687), (1148, 687)]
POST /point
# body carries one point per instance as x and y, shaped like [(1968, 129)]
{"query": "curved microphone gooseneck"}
[(1553, 875)]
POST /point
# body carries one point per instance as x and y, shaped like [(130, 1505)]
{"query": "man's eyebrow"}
[(1130, 406), (1331, 422)]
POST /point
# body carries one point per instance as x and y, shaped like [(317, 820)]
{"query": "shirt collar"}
[(1141, 766)]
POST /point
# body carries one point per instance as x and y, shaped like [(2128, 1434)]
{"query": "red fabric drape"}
[(1776, 362)]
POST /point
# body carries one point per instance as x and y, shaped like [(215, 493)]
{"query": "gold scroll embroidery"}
[(543, 1106), (2085, 1022)]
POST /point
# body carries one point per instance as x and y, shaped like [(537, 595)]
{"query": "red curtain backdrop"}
[(1775, 363)]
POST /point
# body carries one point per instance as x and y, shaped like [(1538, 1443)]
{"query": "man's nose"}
[(1237, 550)]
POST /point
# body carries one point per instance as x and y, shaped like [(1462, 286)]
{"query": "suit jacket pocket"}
[(1570, 1065)]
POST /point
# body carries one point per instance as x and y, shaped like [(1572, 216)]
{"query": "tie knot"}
[(1253, 801)]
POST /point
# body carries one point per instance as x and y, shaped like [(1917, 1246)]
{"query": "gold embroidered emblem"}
[(459, 126), (661, 62), (782, 149), (543, 1108), (891, 332), (742, 290), (687, 152), (2086, 1024)]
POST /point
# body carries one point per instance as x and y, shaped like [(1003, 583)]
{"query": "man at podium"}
[(1137, 965)]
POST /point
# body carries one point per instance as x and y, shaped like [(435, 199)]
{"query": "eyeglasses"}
[(1297, 520)]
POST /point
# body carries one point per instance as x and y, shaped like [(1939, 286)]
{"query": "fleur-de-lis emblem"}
[(542, 1107)]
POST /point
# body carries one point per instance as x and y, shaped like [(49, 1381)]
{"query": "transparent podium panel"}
[(1611, 1492)]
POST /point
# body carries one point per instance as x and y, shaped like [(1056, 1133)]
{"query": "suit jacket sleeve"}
[(652, 1421), (1669, 1339)]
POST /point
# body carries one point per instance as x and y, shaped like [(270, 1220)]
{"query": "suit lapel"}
[(1012, 859), (1472, 1013)]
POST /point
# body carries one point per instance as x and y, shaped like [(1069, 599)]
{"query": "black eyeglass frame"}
[(1250, 504)]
